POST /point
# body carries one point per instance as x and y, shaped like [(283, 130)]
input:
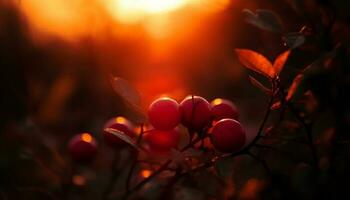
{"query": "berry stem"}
[(157, 172), (133, 165), (308, 131), (262, 162), (114, 177), (307, 127), (282, 139)]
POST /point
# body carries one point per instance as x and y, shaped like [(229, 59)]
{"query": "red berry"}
[(82, 147), (162, 141), (228, 136), (164, 113), (222, 108), (195, 112), (120, 124)]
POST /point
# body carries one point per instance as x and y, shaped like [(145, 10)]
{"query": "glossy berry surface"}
[(162, 141), (121, 124), (195, 112), (228, 136), (164, 113), (82, 148), (222, 108)]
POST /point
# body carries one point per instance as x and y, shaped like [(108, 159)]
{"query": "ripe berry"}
[(228, 136), (121, 124), (162, 141), (222, 108), (164, 113), (195, 112), (82, 148)]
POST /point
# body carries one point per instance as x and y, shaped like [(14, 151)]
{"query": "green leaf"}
[(264, 19)]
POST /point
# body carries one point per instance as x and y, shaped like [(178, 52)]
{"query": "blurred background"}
[(56, 57)]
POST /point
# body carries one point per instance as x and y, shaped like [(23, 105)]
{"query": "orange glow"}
[(79, 180), (217, 101), (86, 137), (120, 120), (131, 11), (146, 173), (72, 19)]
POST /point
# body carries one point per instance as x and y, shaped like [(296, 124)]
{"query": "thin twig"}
[(206, 164), (160, 170), (114, 177), (308, 131), (282, 139), (133, 165), (262, 162), (171, 183)]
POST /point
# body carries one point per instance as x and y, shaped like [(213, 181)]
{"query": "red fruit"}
[(162, 141), (228, 136), (82, 147), (195, 112), (222, 108), (120, 124), (164, 114)]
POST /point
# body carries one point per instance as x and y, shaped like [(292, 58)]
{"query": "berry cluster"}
[(217, 119)]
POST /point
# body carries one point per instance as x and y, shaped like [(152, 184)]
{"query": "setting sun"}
[(151, 6), (129, 11)]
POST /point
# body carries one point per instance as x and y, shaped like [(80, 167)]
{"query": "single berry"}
[(222, 108), (82, 148), (228, 136), (195, 112), (120, 124), (164, 114), (162, 141)]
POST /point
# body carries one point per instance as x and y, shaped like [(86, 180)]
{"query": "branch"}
[(211, 162), (133, 166), (160, 170), (262, 162), (308, 131), (113, 179)]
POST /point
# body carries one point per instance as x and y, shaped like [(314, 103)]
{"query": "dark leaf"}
[(281, 61), (291, 91), (276, 105), (296, 82), (264, 19), (256, 83), (192, 153), (132, 97), (224, 167), (122, 136), (256, 62), (180, 159), (294, 40), (295, 5)]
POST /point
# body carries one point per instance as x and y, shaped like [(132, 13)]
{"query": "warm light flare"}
[(86, 137), (146, 173), (79, 180), (72, 19), (217, 101), (120, 120)]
